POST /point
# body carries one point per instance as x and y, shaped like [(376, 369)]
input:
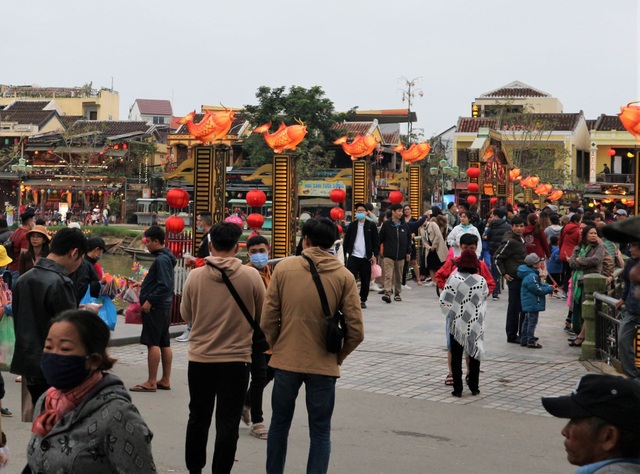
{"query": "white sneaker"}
[(184, 337), (429, 283), (405, 287)]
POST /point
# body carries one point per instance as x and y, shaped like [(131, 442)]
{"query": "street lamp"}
[(409, 94), (22, 168)]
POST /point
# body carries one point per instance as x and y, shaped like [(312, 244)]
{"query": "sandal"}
[(259, 431), (449, 379), (397, 298), (575, 342)]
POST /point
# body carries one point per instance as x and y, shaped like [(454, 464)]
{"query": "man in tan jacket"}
[(220, 347), (296, 326)]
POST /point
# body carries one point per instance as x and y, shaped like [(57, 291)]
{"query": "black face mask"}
[(63, 371)]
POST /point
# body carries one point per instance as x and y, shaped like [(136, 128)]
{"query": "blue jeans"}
[(627, 343), (529, 327), (320, 398)]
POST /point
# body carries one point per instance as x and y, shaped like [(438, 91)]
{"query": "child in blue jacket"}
[(532, 295)]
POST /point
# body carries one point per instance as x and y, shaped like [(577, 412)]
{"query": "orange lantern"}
[(473, 173), (255, 220), (285, 138), (472, 200), (543, 189), (514, 174), (555, 195), (213, 126), (256, 198), (337, 213), (359, 147), (473, 187), (630, 119), (493, 201), (416, 152), (338, 195), (174, 224), (178, 198), (395, 197)]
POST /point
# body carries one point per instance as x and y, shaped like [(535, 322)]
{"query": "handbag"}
[(259, 341), (376, 271), (336, 324)]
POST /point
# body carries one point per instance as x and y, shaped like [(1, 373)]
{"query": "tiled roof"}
[(154, 106), (353, 128), (109, 128), (591, 124), (549, 122), (37, 117), (27, 105), (514, 89), (69, 120), (471, 125), (390, 138), (609, 122)]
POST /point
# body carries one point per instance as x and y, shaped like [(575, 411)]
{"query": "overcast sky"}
[(584, 52)]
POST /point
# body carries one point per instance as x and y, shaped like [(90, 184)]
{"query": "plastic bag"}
[(130, 295), (376, 271), (108, 312), (7, 342), (133, 314)]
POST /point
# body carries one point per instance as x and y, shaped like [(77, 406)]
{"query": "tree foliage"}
[(310, 106)]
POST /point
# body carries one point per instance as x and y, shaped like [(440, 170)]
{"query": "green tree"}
[(310, 106)]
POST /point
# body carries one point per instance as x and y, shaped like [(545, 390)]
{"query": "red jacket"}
[(569, 238), (536, 243), (449, 266)]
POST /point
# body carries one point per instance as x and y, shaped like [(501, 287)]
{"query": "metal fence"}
[(179, 244), (607, 317)]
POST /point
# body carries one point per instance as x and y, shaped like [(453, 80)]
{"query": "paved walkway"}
[(393, 412)]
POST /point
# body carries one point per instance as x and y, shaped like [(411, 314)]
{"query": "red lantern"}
[(177, 198), (395, 197), (337, 213), (256, 198), (174, 224), (255, 220), (493, 201), (338, 195), (339, 230), (611, 152), (473, 173), (472, 199), (473, 187)]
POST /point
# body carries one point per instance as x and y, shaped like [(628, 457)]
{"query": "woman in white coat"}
[(465, 227)]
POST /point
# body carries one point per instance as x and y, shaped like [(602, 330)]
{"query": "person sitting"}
[(85, 405)]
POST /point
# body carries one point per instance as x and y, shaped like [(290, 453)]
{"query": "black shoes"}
[(363, 305), (456, 394), (386, 299), (514, 340)]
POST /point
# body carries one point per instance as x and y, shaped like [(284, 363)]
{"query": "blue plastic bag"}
[(107, 312)]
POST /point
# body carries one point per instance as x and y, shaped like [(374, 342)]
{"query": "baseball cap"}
[(96, 243), (532, 259), (621, 212), (624, 231), (609, 397)]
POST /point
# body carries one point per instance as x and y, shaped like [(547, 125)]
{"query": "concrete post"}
[(592, 283)]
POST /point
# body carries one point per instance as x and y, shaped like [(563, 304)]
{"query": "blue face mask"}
[(63, 371), (360, 215), (200, 228), (259, 260)]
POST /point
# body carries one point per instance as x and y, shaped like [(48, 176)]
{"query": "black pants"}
[(566, 276), (457, 354), (261, 375), (226, 383), (497, 277), (362, 267), (514, 309)]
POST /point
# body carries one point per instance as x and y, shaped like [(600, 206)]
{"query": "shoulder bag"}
[(337, 326), (259, 344)]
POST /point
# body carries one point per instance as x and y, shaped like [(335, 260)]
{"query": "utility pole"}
[(408, 94)]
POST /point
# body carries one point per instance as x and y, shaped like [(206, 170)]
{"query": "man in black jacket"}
[(85, 276), (498, 226), (38, 296), (361, 246), (509, 256), (395, 235)]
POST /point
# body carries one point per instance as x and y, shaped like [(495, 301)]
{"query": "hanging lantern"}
[(256, 198), (473, 187), (473, 173), (99, 193), (255, 220), (42, 191), (337, 213), (472, 199), (338, 195), (174, 224), (395, 197), (611, 152), (177, 198), (49, 191), (493, 201)]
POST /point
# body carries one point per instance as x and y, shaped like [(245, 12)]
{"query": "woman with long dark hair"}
[(39, 239)]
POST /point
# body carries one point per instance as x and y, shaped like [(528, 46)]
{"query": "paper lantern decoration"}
[(285, 138), (530, 182), (472, 199), (360, 146), (514, 174), (338, 195), (177, 198), (213, 126), (555, 195), (337, 213), (395, 197), (543, 189), (174, 224), (256, 198), (255, 220), (416, 152), (473, 187), (630, 119), (493, 201), (473, 173), (611, 152)]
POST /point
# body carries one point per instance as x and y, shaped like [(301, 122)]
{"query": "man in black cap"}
[(604, 424)]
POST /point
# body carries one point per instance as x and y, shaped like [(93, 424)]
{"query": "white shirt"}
[(359, 247)]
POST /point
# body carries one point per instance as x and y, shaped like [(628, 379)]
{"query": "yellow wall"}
[(108, 101)]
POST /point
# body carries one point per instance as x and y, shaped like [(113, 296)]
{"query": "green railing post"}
[(592, 283)]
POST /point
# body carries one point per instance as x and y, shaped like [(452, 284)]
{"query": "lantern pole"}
[(408, 94)]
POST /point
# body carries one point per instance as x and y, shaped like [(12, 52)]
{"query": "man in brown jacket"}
[(296, 327), (220, 347)]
